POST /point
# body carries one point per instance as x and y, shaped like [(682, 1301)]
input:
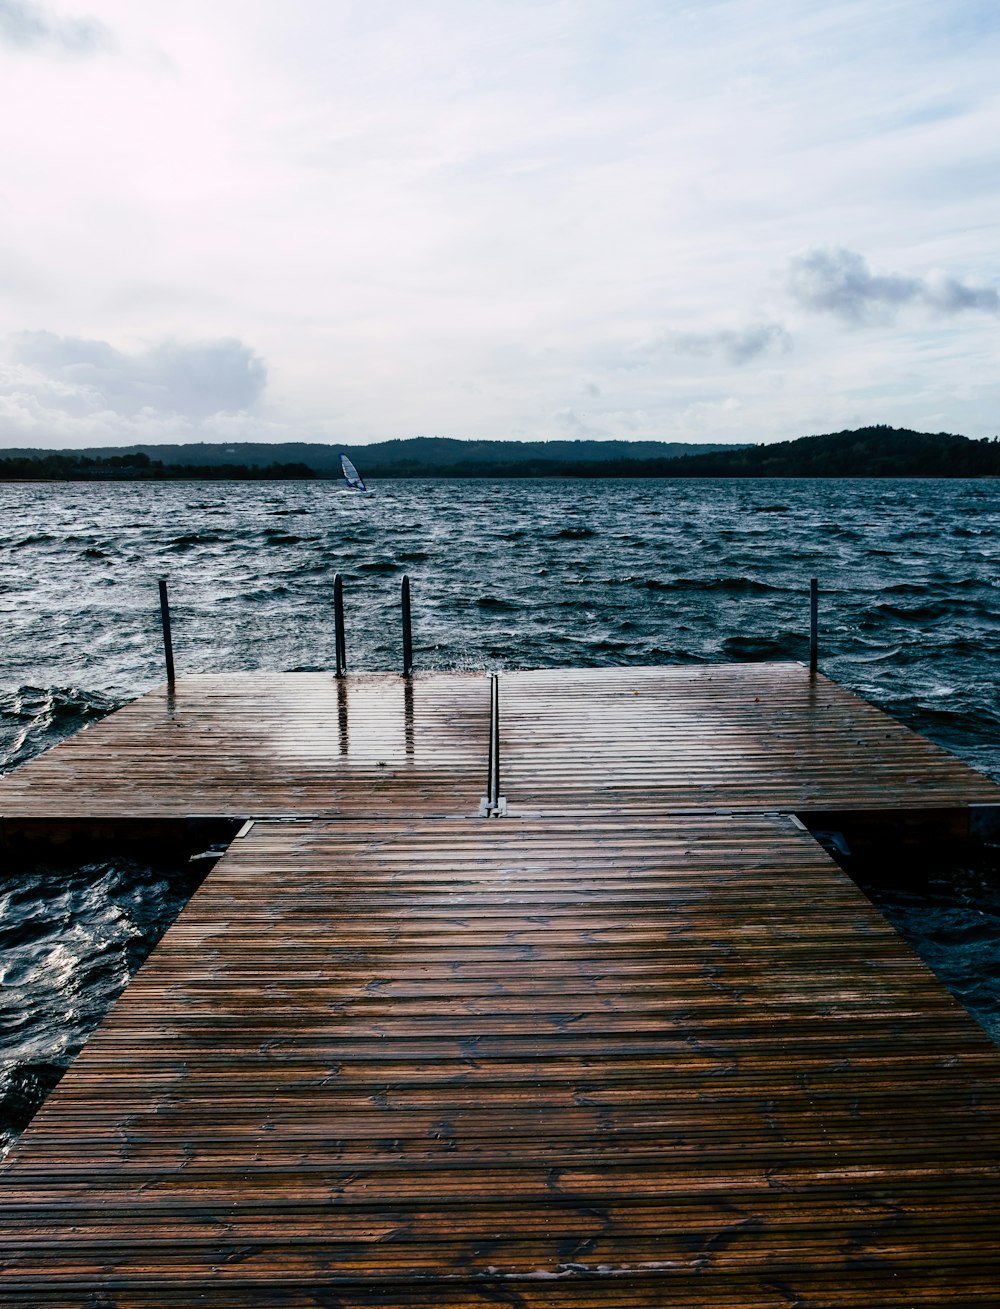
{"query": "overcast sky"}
[(733, 220)]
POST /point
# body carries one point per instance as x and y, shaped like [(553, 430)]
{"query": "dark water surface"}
[(70, 938), (504, 574)]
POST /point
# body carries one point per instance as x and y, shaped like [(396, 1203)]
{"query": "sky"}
[(715, 220)]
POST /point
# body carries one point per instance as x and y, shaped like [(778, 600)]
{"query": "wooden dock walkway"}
[(615, 1049)]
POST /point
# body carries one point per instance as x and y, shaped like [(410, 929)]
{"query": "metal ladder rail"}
[(493, 804)]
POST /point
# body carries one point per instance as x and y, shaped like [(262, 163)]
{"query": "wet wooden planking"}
[(270, 745), (561, 1062), (644, 740), (739, 736)]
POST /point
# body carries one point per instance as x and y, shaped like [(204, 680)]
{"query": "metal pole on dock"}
[(813, 626), (338, 620), (494, 742), (168, 645), (493, 804), (407, 630)]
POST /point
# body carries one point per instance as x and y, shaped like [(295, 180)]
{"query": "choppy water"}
[(70, 938), (527, 574), (949, 911)]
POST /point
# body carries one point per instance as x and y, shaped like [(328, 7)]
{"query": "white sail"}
[(351, 475)]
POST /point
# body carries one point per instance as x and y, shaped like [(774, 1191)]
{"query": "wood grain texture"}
[(561, 1062)]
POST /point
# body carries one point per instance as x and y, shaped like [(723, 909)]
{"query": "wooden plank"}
[(573, 1062)]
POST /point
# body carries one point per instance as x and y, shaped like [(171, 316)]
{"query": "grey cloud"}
[(950, 296), (570, 421), (194, 380), (739, 346), (840, 282), (26, 25)]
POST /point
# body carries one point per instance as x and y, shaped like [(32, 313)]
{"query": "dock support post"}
[(813, 626), (168, 645), (338, 621), (407, 630)]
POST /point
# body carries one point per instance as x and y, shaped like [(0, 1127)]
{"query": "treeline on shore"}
[(878, 451), (862, 452), (139, 467)]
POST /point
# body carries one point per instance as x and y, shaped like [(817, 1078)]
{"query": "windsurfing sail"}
[(351, 475)]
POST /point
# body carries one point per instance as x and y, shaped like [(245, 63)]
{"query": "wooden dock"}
[(617, 1049)]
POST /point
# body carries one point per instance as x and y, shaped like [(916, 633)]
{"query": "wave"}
[(33, 718), (921, 613), (734, 584), (37, 538), (764, 648), (274, 537), (190, 539), (73, 937), (380, 566)]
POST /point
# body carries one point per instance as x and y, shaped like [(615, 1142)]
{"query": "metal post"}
[(338, 620), (407, 631), (168, 645), (813, 626), (494, 791), (493, 804)]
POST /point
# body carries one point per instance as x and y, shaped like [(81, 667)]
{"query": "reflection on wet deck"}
[(271, 745)]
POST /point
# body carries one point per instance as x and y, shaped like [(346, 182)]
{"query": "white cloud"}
[(66, 384), (194, 379)]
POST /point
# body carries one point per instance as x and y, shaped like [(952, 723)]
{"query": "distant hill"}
[(49, 466), (418, 456), (865, 452)]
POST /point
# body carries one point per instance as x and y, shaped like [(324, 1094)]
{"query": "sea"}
[(504, 574)]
